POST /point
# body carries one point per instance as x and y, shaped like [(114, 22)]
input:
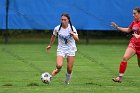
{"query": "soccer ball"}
[(46, 78)]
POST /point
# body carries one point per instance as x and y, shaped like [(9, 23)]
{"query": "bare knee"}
[(58, 67)]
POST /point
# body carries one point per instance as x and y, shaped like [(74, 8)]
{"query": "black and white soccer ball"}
[(46, 78)]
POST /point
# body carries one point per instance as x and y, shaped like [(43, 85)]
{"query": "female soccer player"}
[(67, 35), (134, 44)]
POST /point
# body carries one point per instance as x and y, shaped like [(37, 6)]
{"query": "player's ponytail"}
[(60, 27), (71, 25)]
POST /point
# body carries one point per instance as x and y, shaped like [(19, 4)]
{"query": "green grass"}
[(21, 65)]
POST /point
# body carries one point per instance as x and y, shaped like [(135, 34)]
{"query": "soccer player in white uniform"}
[(67, 35)]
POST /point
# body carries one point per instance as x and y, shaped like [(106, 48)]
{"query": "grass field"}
[(21, 65)]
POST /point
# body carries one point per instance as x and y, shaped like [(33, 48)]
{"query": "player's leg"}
[(59, 64), (70, 62), (123, 64)]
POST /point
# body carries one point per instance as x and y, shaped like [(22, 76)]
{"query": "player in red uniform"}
[(134, 44)]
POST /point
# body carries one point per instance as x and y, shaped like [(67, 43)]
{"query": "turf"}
[(21, 65)]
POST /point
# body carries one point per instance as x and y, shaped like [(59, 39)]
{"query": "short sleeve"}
[(55, 31)]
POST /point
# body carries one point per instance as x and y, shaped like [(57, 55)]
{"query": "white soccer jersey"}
[(65, 41)]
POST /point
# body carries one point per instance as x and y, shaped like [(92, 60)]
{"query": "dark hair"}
[(66, 15), (137, 9)]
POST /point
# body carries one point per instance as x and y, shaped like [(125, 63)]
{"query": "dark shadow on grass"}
[(33, 84), (8, 84), (91, 83)]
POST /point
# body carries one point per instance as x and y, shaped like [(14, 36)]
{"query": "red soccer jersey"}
[(135, 42), (135, 26)]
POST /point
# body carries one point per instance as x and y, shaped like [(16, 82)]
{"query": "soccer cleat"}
[(118, 79)]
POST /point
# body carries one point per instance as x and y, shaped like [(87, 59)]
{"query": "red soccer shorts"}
[(135, 44)]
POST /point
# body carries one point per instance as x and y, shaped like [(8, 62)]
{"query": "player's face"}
[(136, 15), (64, 20)]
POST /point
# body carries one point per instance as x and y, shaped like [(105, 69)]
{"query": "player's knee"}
[(58, 67)]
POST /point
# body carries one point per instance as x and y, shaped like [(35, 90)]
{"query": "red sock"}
[(122, 68)]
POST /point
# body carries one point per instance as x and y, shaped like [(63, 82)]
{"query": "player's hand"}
[(48, 48), (114, 25), (136, 35), (71, 32)]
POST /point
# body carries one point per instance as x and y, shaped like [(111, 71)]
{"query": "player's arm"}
[(127, 30), (51, 42), (55, 31)]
